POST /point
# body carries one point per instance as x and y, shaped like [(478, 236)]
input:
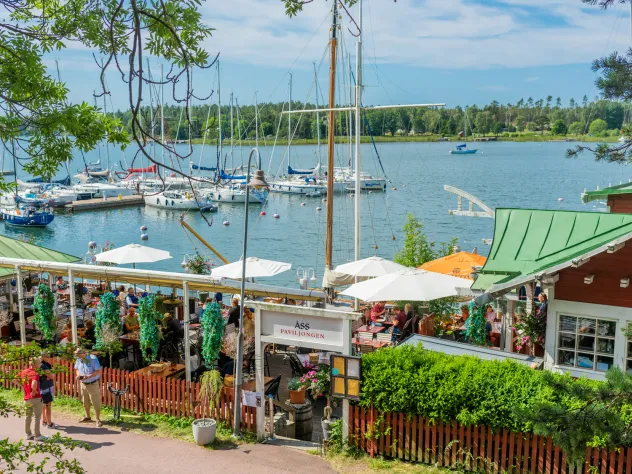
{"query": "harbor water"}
[(503, 174)]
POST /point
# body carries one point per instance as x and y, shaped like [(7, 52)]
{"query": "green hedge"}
[(472, 391)]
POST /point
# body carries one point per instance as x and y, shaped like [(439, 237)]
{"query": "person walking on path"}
[(32, 399), (88, 372), (47, 387)]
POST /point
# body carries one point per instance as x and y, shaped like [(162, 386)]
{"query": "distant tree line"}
[(598, 118)]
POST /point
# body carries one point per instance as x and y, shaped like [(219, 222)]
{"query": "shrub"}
[(597, 127), (464, 388)]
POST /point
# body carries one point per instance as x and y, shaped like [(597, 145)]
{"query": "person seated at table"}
[(61, 283), (233, 313), (172, 331), (131, 321), (491, 315), (131, 300), (66, 335), (377, 313), (122, 296), (399, 320), (412, 320), (89, 337)]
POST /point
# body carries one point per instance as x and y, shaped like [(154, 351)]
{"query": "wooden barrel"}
[(303, 421)]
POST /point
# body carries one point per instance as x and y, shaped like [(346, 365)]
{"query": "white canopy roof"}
[(133, 253)]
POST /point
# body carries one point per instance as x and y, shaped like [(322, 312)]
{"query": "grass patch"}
[(346, 464), (162, 426)]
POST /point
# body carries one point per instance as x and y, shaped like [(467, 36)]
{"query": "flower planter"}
[(297, 397), (204, 431)]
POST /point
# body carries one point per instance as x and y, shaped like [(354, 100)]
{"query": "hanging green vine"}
[(475, 325), (212, 333), (149, 334), (107, 318), (44, 314)]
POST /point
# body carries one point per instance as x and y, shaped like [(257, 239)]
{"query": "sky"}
[(458, 52)]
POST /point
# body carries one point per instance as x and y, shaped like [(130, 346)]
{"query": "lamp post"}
[(258, 181)]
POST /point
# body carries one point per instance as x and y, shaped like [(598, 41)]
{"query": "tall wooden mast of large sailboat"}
[(330, 142)]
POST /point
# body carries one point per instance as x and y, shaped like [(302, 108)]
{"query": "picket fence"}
[(471, 448), (147, 394)]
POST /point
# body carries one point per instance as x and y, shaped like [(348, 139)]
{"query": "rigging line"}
[(327, 16), (276, 138), (208, 117), (366, 121)]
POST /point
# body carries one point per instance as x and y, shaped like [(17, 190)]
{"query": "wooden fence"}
[(147, 394), (471, 448)]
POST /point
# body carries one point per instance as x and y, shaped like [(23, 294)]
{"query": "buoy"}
[(319, 208), (560, 199), (226, 223), (276, 216), (302, 204), (143, 228), (394, 189), (144, 236), (324, 200), (262, 213)]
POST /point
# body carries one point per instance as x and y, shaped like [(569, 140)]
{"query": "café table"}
[(172, 371), (251, 385), (371, 329), (374, 343)]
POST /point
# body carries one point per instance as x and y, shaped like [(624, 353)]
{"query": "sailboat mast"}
[(256, 123), (162, 114), (317, 115), (289, 121), (358, 132), (232, 128), (330, 141), (107, 148), (465, 124), (349, 113), (219, 118)]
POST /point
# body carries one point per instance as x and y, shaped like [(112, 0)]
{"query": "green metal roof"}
[(531, 241), (13, 248), (602, 194)]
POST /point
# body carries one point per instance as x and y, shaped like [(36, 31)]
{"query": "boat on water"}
[(236, 194), (28, 216), (172, 199), (101, 189), (462, 149)]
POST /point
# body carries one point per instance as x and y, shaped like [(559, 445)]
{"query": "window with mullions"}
[(586, 343)]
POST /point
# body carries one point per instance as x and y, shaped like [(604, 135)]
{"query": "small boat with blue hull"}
[(28, 216), (463, 150)]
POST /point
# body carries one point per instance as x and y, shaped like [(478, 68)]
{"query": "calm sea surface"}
[(527, 175)]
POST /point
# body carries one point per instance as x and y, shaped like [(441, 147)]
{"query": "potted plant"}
[(297, 391), (204, 429)]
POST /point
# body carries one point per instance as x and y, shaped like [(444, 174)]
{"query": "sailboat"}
[(462, 149)]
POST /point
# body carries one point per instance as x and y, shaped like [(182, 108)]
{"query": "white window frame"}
[(577, 335)]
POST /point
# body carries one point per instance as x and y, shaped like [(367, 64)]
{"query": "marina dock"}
[(110, 203)]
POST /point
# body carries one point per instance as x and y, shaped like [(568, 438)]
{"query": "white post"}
[(10, 296), (508, 325), (358, 127), (21, 305), (260, 386), (346, 350), (73, 306), (187, 322)]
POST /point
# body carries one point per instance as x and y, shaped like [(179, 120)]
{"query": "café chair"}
[(365, 336), (366, 348)]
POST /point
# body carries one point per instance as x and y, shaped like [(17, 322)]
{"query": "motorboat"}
[(173, 199), (28, 216), (236, 194), (101, 189)]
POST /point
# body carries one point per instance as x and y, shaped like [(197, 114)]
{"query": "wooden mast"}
[(330, 142)]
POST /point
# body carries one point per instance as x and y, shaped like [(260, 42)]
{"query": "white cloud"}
[(434, 33)]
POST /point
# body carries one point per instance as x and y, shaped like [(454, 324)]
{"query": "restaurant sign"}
[(302, 328)]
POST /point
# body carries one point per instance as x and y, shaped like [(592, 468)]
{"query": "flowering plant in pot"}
[(317, 381), (204, 429), (297, 391)]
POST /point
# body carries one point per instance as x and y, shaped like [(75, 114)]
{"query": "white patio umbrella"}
[(255, 267), (133, 253), (409, 285), (369, 267)]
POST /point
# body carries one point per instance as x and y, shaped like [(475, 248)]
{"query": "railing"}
[(147, 394), (471, 448)]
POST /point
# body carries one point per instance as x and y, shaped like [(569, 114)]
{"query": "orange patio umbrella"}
[(456, 264)]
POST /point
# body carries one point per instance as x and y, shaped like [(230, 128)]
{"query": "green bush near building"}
[(472, 391)]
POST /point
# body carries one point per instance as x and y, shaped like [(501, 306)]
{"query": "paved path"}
[(118, 452)]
